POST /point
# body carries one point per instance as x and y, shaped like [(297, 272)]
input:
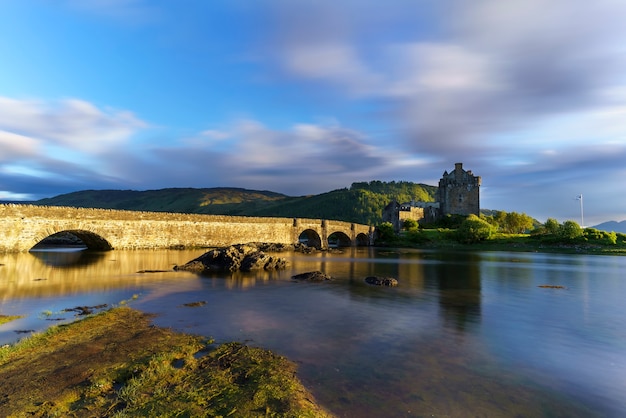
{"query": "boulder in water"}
[(312, 276), (381, 281), (242, 257)]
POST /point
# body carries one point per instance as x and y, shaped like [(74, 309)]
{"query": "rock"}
[(381, 281), (312, 276), (261, 261), (243, 257), (270, 247), (194, 304)]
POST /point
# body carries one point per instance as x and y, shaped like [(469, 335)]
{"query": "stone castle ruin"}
[(458, 194)]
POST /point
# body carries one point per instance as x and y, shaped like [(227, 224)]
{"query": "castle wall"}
[(459, 192)]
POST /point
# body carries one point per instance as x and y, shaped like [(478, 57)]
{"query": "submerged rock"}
[(312, 276), (242, 257), (381, 281)]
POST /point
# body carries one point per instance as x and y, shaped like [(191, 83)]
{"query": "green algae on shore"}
[(8, 318), (116, 363)]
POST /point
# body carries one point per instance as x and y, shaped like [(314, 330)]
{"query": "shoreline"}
[(116, 361)]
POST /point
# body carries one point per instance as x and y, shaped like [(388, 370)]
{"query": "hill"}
[(612, 226), (185, 200), (361, 203)]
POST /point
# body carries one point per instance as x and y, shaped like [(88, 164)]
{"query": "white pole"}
[(582, 219)]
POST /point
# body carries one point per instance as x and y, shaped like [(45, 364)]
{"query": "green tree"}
[(385, 232), (500, 219), (410, 224), (473, 229), (570, 230), (516, 223), (552, 226)]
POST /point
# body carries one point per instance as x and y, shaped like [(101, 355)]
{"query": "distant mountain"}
[(612, 226), (361, 203), (185, 200)]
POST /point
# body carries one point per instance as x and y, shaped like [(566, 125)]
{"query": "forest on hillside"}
[(362, 203)]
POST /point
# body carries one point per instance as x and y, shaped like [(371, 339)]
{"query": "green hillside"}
[(361, 203), (185, 200)]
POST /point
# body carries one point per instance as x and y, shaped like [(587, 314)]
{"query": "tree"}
[(552, 226), (500, 219), (386, 232), (570, 230), (517, 223), (410, 224), (473, 229)]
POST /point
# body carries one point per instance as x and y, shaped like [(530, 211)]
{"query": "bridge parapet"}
[(23, 226)]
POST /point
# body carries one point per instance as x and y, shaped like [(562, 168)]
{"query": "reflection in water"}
[(459, 290), (67, 257), (50, 274), (462, 334)]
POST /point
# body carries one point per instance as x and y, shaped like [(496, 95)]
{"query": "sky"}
[(307, 96)]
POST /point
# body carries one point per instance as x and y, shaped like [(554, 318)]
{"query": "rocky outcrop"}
[(242, 257), (312, 276), (381, 281)]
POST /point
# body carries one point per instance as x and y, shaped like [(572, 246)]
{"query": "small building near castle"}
[(458, 194)]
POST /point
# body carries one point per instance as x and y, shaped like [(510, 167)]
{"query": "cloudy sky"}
[(307, 96)]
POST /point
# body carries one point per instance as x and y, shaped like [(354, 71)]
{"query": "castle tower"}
[(458, 192)]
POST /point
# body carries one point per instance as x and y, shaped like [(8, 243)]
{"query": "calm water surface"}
[(464, 334)]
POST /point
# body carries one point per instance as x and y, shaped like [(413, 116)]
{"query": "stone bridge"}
[(23, 226)]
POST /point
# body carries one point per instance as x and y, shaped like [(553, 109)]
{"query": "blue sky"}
[(307, 96)]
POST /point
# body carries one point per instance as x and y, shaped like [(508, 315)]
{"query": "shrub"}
[(409, 224), (473, 229), (570, 230), (552, 226), (416, 236), (385, 232), (601, 237)]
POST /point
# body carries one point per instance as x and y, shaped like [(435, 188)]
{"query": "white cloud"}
[(7, 195), (17, 146), (304, 158), (332, 148), (73, 124), (440, 68), (493, 67), (336, 62), (61, 145)]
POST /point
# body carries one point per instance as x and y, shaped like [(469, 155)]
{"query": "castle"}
[(458, 194)]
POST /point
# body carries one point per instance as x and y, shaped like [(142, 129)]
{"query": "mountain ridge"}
[(612, 226), (361, 203), (350, 204)]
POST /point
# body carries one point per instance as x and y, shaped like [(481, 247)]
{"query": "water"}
[(464, 334)]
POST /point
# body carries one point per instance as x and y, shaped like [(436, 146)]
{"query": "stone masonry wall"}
[(459, 192), (23, 226)]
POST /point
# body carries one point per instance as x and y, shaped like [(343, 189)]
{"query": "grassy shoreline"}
[(445, 240), (116, 363), (8, 318)]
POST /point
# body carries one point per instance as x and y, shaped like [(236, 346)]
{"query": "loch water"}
[(463, 334)]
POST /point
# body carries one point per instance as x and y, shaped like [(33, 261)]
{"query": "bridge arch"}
[(91, 240), (362, 240), (339, 239), (310, 238)]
